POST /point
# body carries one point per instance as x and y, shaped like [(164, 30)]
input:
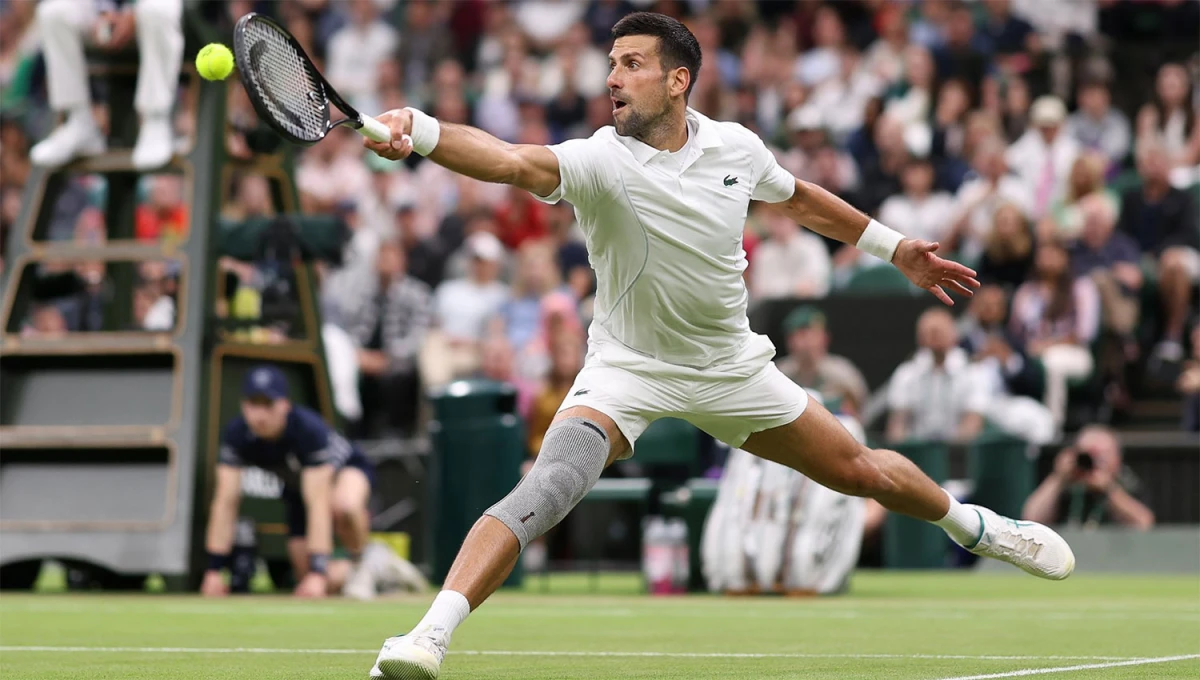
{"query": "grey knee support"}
[(573, 455)]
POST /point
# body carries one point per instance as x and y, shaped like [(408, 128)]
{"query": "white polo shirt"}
[(664, 234)]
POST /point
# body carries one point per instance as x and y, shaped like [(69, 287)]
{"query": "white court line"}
[(1069, 669), (491, 652)]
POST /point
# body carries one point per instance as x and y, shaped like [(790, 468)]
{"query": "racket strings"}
[(285, 84)]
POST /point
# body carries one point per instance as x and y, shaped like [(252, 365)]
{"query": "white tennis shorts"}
[(729, 402)]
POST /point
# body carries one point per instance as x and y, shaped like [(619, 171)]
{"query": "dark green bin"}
[(911, 543), (478, 446)]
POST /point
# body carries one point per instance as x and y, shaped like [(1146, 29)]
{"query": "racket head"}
[(287, 91)]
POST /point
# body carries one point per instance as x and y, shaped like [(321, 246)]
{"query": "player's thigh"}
[(731, 410), (622, 401), (351, 489), (818, 446)]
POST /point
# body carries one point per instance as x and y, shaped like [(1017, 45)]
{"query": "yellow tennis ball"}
[(214, 61)]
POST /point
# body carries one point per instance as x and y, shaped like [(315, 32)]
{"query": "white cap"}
[(485, 246), (805, 118), (1047, 111)]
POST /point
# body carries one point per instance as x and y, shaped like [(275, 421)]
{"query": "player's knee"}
[(345, 509), (573, 455)]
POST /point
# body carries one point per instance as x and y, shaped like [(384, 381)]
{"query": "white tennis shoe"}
[(416, 656), (78, 136), (1030, 546)]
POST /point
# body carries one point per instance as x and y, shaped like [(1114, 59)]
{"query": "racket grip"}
[(374, 130)]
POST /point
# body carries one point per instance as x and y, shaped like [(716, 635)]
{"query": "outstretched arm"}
[(828, 215), (472, 152)]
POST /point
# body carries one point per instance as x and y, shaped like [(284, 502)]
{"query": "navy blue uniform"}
[(307, 441)]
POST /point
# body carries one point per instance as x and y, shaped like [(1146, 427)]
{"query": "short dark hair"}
[(677, 47)]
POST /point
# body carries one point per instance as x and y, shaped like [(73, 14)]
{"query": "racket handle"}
[(374, 130)]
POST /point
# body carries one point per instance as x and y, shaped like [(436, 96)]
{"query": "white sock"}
[(962, 523), (449, 609)]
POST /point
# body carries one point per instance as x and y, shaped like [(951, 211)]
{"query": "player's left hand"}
[(313, 585), (917, 260)]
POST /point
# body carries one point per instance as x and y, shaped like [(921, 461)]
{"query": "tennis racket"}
[(287, 91)]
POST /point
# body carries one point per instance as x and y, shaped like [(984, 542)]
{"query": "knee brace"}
[(573, 455)]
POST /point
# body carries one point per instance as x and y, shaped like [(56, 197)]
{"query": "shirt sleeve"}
[(230, 451), (585, 170), (772, 184)]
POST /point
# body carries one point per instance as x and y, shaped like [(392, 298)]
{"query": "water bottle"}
[(681, 567), (241, 568), (656, 556)]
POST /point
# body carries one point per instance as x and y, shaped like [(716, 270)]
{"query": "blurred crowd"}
[(1054, 146)]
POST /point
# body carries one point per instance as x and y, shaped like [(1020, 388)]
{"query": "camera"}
[(1084, 461)]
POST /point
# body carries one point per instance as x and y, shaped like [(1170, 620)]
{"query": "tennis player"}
[(662, 197)]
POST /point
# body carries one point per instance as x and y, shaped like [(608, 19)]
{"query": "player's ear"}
[(678, 82)]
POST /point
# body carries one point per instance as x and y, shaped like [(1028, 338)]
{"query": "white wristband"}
[(879, 241), (425, 131)]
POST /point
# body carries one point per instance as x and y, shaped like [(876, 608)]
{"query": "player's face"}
[(265, 418), (638, 85)]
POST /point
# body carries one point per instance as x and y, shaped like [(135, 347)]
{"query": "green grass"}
[(893, 626)]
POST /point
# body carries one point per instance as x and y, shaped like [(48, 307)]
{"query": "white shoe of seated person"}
[(1032, 547), (360, 583), (155, 143), (78, 136), (416, 656)]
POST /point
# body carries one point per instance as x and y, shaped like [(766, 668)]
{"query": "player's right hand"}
[(400, 122), (214, 585)]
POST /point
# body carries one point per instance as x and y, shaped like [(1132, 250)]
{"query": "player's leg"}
[(819, 447), (62, 25), (580, 443), (160, 46), (352, 526)]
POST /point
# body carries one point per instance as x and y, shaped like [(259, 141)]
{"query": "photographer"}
[(1089, 486)]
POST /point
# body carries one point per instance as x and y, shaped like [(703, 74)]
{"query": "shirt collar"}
[(701, 130)]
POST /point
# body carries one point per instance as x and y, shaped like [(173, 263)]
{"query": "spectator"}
[(573, 265), (163, 217), (1010, 38), (986, 338), (1162, 220), (980, 197), (521, 218), (423, 250), (332, 172), (355, 53), (810, 365), (46, 321), (157, 25), (1043, 156), (1189, 386), (792, 263), (881, 171), (919, 212), (1008, 256), (1099, 126), (557, 315), (1055, 318), (496, 360), (462, 309), (389, 325), (962, 55), (949, 144), (1110, 259), (566, 359), (458, 265), (1088, 486), (1065, 219), (911, 99), (885, 57), (810, 141), (536, 276), (1171, 118), (935, 396), (548, 21), (426, 43)]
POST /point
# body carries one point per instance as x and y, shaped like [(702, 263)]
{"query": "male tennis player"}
[(662, 198)]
